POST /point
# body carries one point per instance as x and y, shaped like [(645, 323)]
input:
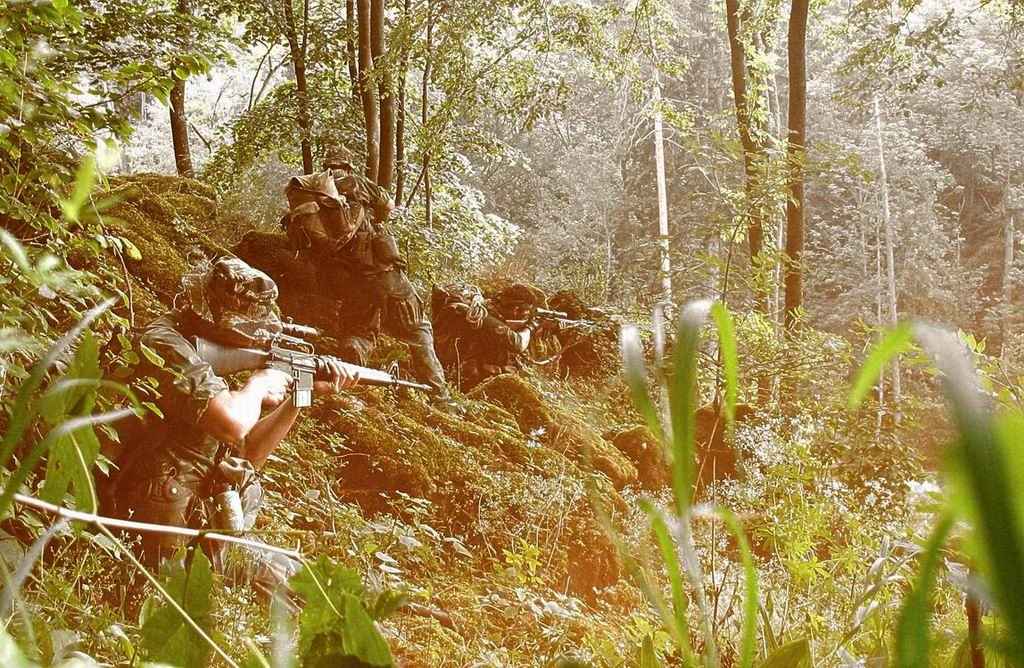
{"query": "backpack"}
[(319, 219)]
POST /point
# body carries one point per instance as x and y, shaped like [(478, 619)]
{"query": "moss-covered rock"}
[(160, 215), (641, 447)]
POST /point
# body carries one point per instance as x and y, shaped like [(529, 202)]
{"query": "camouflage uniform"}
[(367, 275), (171, 467), (473, 337)]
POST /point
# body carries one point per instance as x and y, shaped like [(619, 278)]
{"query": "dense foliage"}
[(566, 522)]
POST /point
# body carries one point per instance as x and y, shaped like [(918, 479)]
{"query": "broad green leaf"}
[(21, 414), (360, 636), (63, 398), (795, 654), (166, 637), (913, 629), (334, 625), (70, 461)]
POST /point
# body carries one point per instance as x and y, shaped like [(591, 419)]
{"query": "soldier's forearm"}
[(231, 415), (268, 432)]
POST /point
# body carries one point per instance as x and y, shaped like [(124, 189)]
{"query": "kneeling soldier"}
[(210, 439)]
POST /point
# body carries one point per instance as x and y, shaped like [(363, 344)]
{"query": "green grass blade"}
[(37, 451), (730, 358), (682, 400), (21, 415), (670, 557), (892, 343), (635, 370), (750, 603), (985, 469), (913, 632), (639, 575)]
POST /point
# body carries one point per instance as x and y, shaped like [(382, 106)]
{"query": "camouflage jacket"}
[(493, 343), (186, 385)]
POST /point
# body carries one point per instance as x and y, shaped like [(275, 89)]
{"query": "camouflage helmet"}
[(233, 296), (337, 157), (519, 294)]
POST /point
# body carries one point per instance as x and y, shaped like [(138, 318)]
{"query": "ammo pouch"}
[(385, 249)]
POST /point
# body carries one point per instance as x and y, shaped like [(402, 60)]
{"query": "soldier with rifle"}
[(194, 463), (479, 338), (338, 220)]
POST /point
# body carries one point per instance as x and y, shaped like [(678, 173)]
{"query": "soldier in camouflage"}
[(479, 338), (208, 437), (367, 274)]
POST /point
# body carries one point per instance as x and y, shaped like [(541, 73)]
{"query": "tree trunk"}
[(400, 121), (297, 48), (179, 120), (1008, 244), (428, 192), (350, 48), (879, 320), (367, 96), (797, 45), (890, 267), (659, 163), (386, 156), (753, 148)]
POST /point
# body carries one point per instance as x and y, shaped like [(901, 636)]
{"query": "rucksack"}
[(319, 219)]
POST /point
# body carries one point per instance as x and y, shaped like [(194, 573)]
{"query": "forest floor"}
[(490, 521)]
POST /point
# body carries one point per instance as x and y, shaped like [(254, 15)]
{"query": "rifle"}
[(294, 356), (556, 320)]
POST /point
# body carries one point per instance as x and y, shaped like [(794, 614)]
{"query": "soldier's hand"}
[(334, 377), (274, 384)]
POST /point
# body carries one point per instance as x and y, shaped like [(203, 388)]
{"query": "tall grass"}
[(985, 481)]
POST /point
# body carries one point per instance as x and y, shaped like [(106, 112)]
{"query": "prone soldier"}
[(481, 338), (181, 467)]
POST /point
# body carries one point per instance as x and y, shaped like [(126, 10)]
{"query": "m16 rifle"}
[(553, 320), (291, 353)]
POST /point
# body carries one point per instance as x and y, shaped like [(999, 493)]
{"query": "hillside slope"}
[(486, 517)]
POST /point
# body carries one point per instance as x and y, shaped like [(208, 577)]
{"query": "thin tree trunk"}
[(659, 163), (179, 120), (879, 320), (797, 44), (386, 155), (428, 192), (298, 55), (400, 121), (1007, 283), (972, 607), (367, 96), (350, 48), (890, 266), (752, 148)]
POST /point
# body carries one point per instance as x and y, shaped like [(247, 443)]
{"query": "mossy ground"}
[(487, 517)]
